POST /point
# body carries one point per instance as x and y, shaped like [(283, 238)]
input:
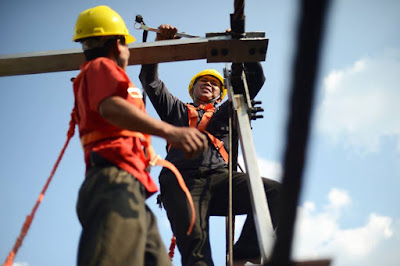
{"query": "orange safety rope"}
[(158, 161), (29, 218), (170, 166)]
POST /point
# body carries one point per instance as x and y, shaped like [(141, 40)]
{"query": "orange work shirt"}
[(99, 79)]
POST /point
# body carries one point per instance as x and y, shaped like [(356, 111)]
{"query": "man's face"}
[(207, 88)]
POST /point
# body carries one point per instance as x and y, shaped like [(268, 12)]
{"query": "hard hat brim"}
[(129, 39)]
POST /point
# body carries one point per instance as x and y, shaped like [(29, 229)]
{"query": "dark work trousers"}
[(118, 228), (210, 193)]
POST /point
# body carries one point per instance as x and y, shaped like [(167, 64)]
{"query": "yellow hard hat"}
[(207, 72), (100, 21)]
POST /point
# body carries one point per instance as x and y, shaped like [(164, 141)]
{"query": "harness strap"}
[(101, 135), (205, 120), (202, 125), (219, 145), (193, 116)]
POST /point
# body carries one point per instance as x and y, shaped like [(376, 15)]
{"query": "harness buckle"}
[(153, 161)]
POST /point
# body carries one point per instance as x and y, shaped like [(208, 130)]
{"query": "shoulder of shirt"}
[(97, 62), (104, 61)]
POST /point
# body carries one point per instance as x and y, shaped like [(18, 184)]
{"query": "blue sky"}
[(348, 209)]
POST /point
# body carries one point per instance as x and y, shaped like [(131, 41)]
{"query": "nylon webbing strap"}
[(100, 135), (202, 125)]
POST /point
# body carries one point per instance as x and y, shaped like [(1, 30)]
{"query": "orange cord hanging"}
[(29, 218), (182, 184)]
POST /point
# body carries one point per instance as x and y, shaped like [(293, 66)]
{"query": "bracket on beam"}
[(237, 51), (252, 48)]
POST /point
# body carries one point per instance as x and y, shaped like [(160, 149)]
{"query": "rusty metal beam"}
[(214, 49)]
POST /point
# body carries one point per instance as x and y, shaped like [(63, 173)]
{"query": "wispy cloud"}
[(20, 264), (360, 103), (319, 234), (268, 169)]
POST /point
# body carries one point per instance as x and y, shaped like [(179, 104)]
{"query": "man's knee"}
[(271, 186), (273, 193)]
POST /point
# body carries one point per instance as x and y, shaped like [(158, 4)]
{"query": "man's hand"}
[(167, 32), (122, 114), (188, 139)]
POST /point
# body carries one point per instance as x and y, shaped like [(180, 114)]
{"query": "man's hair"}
[(98, 46)]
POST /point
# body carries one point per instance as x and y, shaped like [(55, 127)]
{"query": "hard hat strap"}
[(212, 101)]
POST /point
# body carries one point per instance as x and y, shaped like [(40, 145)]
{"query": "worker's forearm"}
[(148, 73), (124, 115)]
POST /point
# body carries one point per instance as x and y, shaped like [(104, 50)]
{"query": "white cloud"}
[(20, 264), (269, 169), (338, 198), (239, 222), (319, 235), (360, 103)]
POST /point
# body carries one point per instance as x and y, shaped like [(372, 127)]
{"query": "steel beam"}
[(214, 49)]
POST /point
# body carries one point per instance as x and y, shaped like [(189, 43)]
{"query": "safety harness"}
[(203, 123)]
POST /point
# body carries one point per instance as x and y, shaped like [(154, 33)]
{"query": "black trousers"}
[(209, 190), (118, 228)]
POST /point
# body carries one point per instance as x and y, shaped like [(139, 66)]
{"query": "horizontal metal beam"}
[(40, 62), (214, 49)]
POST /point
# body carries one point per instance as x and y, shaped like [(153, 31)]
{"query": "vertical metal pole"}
[(229, 238), (310, 31)]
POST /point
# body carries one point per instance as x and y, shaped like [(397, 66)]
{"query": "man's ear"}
[(218, 100), (117, 43)]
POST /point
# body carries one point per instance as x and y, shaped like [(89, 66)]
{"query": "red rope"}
[(29, 218), (171, 252)]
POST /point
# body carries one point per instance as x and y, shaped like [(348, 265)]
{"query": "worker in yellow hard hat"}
[(206, 175), (117, 226), (216, 80)]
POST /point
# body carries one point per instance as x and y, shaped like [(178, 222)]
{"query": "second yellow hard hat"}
[(208, 72)]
